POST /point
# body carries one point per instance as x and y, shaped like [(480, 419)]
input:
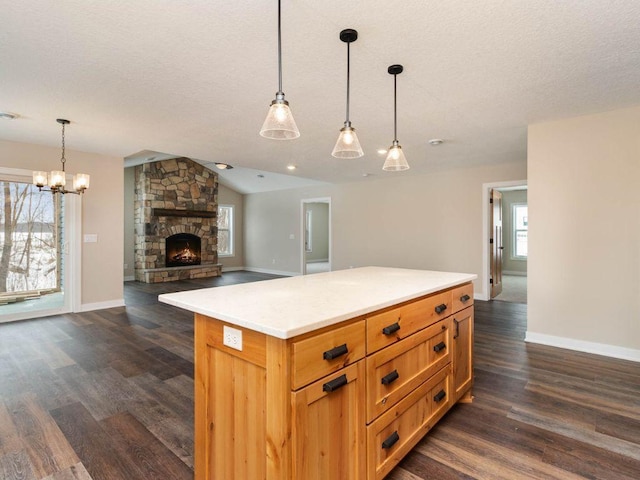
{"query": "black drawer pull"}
[(335, 352), (388, 330), (439, 396), (391, 440), (464, 298), (439, 347), (335, 384), (389, 378), (441, 308)]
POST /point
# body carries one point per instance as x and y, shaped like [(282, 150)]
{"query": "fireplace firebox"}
[(182, 249)]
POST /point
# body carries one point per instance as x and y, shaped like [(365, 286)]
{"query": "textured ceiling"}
[(196, 78)]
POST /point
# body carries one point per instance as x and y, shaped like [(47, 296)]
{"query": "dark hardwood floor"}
[(109, 395)]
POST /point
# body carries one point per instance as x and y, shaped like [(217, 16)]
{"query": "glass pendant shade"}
[(81, 182), (396, 160), (279, 124), (348, 145), (57, 179), (40, 179)]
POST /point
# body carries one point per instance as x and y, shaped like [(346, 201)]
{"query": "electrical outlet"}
[(232, 337)]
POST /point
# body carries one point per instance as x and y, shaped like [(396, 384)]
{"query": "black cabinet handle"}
[(439, 396), (335, 384), (439, 347), (457, 328), (391, 440), (389, 329), (335, 352), (390, 378), (441, 308), (464, 298)]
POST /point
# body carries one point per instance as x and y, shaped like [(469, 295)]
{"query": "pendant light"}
[(57, 180), (279, 124), (396, 160), (348, 145)]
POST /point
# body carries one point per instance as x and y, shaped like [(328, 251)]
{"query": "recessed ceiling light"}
[(436, 141), (366, 174), (223, 166), (291, 167), (9, 115), (260, 175), (382, 151)]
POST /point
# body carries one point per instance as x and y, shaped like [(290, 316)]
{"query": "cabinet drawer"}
[(317, 356), (462, 297), (393, 325), (394, 372), (398, 430)]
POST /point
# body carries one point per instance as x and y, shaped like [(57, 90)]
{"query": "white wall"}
[(226, 196), (102, 214), (584, 209), (427, 221)]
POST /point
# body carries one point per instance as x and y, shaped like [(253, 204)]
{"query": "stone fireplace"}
[(176, 211)]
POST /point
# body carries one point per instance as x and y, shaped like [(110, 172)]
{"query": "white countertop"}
[(287, 307)]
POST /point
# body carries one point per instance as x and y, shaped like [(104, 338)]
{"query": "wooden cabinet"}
[(329, 427), (346, 401), (462, 353)]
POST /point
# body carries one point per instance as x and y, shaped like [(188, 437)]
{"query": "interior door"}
[(495, 243)]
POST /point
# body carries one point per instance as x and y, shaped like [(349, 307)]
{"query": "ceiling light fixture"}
[(396, 160), (223, 166), (382, 151), (57, 178), (434, 142), (279, 124), (348, 145), (291, 167), (8, 115)]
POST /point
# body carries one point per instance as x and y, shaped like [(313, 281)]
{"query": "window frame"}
[(515, 230), (230, 230)]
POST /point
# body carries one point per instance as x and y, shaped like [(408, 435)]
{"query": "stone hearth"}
[(177, 196)]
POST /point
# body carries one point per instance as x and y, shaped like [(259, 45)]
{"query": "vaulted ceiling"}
[(196, 78)]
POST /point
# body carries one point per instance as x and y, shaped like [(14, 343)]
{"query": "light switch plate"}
[(90, 238)]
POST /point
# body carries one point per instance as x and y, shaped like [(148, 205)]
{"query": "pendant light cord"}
[(395, 108), (348, 76), (279, 51)]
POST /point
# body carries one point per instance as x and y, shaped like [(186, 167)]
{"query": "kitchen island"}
[(333, 375)]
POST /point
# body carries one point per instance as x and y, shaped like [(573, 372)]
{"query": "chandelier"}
[(56, 180)]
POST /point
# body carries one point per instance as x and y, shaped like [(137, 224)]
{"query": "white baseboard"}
[(322, 260), (232, 269), (88, 307), (272, 272), (129, 278), (518, 274), (583, 346)]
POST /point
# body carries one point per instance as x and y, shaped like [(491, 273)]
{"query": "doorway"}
[(39, 241), (499, 265), (316, 235)]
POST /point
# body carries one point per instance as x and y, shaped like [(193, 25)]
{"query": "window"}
[(520, 222), (30, 239), (225, 230)]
